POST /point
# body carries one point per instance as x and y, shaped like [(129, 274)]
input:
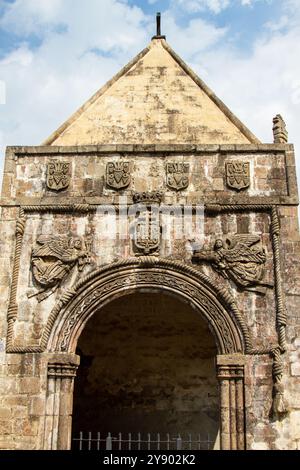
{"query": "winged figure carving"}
[(53, 258), (240, 259)]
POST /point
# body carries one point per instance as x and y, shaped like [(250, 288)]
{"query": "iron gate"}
[(97, 441)]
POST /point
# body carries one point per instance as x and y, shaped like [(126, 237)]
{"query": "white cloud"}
[(215, 6)]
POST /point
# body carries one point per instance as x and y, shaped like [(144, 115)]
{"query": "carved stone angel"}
[(54, 258), (241, 261)]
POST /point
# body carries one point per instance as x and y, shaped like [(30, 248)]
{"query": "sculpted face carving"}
[(53, 259), (240, 260)]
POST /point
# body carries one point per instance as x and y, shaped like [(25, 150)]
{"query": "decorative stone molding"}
[(230, 372), (59, 402), (216, 305)]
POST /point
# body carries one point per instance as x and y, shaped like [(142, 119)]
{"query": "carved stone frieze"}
[(237, 175), (239, 259), (177, 175), (58, 175), (118, 175), (52, 260)]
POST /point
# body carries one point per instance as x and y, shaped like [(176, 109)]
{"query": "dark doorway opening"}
[(147, 366)]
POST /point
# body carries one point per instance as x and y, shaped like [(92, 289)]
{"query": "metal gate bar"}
[(86, 441)]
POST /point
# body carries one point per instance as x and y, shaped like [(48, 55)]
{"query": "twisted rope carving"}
[(216, 208), (13, 307), (279, 406), (280, 304), (85, 208)]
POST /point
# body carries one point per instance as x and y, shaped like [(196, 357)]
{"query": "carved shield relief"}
[(237, 175), (58, 175), (178, 175), (147, 235), (118, 175)]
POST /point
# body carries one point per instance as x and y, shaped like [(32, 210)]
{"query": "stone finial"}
[(279, 130)]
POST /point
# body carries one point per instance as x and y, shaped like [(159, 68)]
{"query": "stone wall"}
[(23, 381)]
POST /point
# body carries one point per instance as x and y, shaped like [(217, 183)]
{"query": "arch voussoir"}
[(101, 286)]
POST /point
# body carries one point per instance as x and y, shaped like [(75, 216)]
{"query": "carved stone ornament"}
[(177, 175), (146, 229), (54, 258), (58, 175), (279, 130), (237, 175), (147, 198), (146, 235), (118, 175), (240, 260)]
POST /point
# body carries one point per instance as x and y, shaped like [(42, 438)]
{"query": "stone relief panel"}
[(145, 229), (237, 175), (240, 258), (118, 175), (177, 175), (53, 258), (58, 175)]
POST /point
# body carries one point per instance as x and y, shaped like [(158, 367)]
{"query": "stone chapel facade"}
[(198, 329)]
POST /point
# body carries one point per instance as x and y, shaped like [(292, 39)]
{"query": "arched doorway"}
[(147, 367), (139, 275)]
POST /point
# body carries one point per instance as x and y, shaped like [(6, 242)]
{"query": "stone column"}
[(59, 401), (230, 370)]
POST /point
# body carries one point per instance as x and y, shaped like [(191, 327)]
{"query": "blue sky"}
[(54, 54)]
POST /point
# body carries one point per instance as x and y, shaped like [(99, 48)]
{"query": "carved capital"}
[(62, 370)]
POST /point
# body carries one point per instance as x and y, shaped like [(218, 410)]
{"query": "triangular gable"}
[(156, 98)]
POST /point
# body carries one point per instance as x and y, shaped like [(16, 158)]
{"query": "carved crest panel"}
[(58, 175), (237, 175), (118, 175), (177, 175), (147, 233)]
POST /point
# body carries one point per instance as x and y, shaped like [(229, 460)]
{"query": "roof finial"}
[(158, 27), (158, 24)]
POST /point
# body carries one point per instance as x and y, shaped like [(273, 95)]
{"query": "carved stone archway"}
[(213, 303)]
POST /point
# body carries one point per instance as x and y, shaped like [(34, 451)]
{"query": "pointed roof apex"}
[(156, 98), (158, 28)]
